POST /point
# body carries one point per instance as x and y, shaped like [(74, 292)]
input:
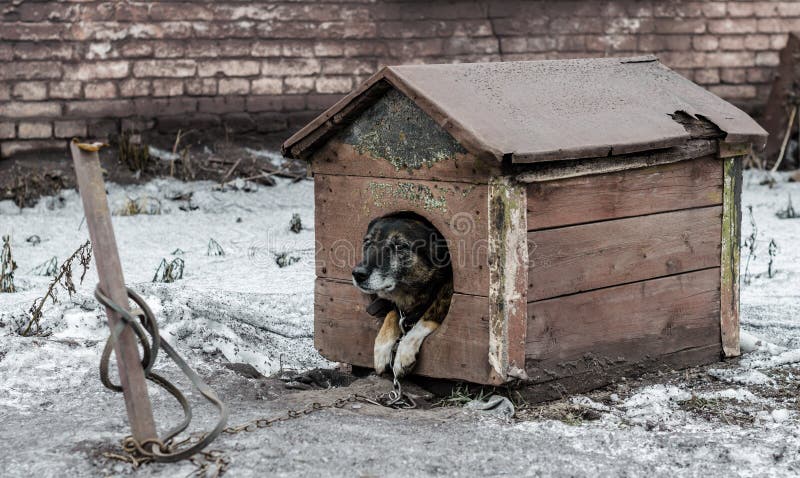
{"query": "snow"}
[(738, 417)]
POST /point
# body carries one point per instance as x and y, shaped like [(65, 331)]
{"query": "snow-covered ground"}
[(737, 418)]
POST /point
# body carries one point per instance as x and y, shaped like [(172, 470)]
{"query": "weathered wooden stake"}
[(112, 283)]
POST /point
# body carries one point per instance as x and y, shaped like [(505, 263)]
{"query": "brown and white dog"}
[(405, 264)]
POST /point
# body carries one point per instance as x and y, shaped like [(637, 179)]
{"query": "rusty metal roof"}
[(538, 111)]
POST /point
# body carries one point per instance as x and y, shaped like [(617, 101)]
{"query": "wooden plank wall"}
[(624, 268)]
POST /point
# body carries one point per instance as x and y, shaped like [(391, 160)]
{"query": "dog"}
[(406, 267)]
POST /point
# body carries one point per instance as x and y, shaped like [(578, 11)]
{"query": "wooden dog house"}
[(591, 209)]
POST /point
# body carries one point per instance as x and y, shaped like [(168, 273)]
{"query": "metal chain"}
[(143, 322)]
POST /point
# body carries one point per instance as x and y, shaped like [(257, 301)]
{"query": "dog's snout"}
[(360, 274)]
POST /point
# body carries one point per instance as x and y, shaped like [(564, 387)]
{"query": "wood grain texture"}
[(508, 272), (682, 185), (336, 157), (346, 204), (729, 270), (574, 259), (624, 324), (89, 175), (594, 378), (457, 350)]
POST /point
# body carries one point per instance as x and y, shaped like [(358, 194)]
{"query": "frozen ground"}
[(737, 418)]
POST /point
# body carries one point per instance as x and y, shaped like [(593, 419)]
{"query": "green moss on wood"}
[(398, 131)]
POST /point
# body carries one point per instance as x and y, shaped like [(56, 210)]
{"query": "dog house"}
[(591, 210)]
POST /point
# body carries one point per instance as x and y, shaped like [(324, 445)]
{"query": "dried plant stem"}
[(64, 277)]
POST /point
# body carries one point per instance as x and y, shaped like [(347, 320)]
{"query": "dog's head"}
[(403, 257)]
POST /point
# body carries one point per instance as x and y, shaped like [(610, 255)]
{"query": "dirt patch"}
[(133, 159)]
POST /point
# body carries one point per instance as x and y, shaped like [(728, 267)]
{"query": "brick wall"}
[(82, 67)]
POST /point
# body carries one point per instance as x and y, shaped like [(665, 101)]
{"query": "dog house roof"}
[(535, 111)]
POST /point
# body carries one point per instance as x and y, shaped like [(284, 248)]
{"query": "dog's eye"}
[(400, 246)]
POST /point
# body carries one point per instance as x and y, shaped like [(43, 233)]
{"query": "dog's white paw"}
[(382, 357), (406, 356)]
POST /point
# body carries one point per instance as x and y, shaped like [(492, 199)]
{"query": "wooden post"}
[(112, 283), (508, 275), (729, 270)]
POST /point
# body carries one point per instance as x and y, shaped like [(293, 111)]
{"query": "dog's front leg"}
[(384, 343), (409, 346)]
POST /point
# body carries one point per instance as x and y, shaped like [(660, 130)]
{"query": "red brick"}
[(31, 31), (135, 49), (327, 49), (778, 25), (521, 26), (65, 89), (733, 75), (568, 43), (43, 51), (738, 25), (234, 86), (164, 68), (713, 9), (69, 129), (679, 25), (665, 42), (7, 130), (11, 148), (466, 45), (149, 107), (103, 128), (97, 71), (299, 84), (707, 76), (101, 51), (34, 130), (220, 104), (576, 24), (5, 91), (759, 75), (167, 87), (765, 9), (348, 66), (291, 67), (18, 109), (161, 11), (276, 103), (778, 42), (321, 102), (757, 42), (513, 44), (100, 90), (223, 30), (731, 42), (30, 70), (134, 87), (733, 91), (131, 12), (789, 9), (705, 42), (201, 87), (169, 49), (671, 9), (767, 58), (6, 52), (267, 86), (99, 108), (611, 43), (298, 49), (727, 59), (228, 68), (333, 84), (30, 90), (411, 48), (635, 26), (740, 9)]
